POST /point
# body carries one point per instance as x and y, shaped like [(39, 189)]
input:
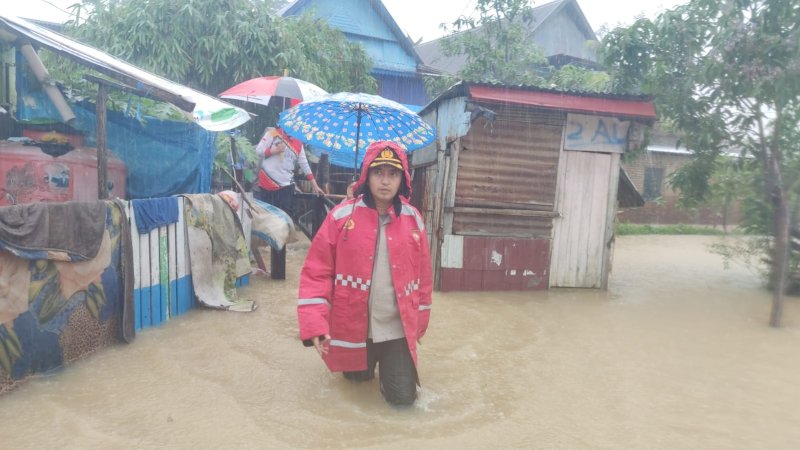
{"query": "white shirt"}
[(279, 167), (384, 317)]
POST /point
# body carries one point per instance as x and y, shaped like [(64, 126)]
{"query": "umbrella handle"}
[(358, 135)]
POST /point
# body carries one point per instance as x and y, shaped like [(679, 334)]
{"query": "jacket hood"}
[(373, 151)]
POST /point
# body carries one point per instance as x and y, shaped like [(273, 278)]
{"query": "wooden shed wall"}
[(507, 171)]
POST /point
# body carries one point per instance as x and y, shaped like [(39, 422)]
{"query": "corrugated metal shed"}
[(507, 174), (526, 182), (566, 101)]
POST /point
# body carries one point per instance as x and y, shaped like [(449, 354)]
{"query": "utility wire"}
[(58, 7)]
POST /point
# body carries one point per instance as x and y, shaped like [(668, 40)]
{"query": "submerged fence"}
[(162, 269), (162, 275)]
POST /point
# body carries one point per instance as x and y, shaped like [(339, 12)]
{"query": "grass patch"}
[(624, 229)]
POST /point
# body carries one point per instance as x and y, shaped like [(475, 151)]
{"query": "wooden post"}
[(323, 175), (318, 215), (102, 156), (277, 263), (237, 173), (449, 197)]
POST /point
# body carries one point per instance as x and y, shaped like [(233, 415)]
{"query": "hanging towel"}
[(69, 231), (152, 213)]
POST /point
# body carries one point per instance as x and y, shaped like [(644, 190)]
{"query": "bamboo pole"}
[(102, 155), (48, 85)]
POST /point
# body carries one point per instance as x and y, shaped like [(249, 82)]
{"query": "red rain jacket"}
[(335, 279)]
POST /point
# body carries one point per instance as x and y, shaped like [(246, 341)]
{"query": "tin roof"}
[(624, 105), (209, 112)]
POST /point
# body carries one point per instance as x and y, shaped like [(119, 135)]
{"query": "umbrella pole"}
[(358, 134)]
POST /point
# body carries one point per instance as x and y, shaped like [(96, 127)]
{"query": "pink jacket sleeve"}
[(425, 287), (316, 283)]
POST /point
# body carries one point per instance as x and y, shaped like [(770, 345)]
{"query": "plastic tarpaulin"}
[(207, 111), (163, 157)]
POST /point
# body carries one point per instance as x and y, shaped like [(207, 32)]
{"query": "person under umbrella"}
[(365, 287), (262, 91), (278, 155), (344, 124)]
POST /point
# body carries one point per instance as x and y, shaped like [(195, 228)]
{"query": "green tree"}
[(436, 84), (573, 78), (727, 73), (496, 44), (498, 49), (212, 44)]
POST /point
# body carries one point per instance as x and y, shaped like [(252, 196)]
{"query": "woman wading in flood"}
[(365, 287)]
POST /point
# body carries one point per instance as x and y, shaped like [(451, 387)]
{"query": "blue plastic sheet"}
[(163, 157)]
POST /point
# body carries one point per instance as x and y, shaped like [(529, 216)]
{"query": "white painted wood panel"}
[(579, 255), (182, 247), (453, 251), (172, 267)]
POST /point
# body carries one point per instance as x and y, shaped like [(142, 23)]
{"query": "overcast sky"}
[(418, 18)]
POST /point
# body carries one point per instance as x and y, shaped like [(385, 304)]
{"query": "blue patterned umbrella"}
[(344, 124)]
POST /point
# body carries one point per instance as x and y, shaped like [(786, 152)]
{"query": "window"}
[(653, 180)]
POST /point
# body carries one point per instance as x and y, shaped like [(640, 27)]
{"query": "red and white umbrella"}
[(261, 90)]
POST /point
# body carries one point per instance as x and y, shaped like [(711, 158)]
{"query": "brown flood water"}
[(676, 354)]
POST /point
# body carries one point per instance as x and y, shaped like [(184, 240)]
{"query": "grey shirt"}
[(384, 317)]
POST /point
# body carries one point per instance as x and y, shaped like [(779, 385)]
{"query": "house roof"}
[(627, 194), (208, 112), (432, 54), (298, 6), (632, 106), (543, 12)]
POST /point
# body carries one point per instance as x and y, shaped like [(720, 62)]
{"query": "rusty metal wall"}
[(499, 225), (510, 163)]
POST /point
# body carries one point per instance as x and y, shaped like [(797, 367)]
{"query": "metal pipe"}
[(49, 86)]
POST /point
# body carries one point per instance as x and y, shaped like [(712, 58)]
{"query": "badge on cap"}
[(389, 157)]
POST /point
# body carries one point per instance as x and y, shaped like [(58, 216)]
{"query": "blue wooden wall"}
[(402, 88), (395, 68)]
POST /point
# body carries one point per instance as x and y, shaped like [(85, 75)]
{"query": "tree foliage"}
[(211, 45), (573, 78), (496, 45), (727, 74), (498, 49)]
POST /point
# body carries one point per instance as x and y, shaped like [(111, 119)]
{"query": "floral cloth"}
[(53, 312), (218, 252)]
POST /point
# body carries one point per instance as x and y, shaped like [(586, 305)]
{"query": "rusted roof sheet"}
[(565, 101)]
